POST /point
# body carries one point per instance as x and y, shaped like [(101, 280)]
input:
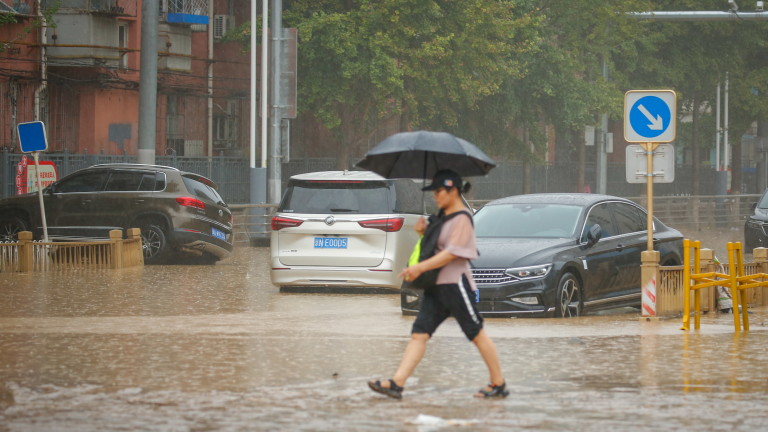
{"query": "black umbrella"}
[(421, 154)]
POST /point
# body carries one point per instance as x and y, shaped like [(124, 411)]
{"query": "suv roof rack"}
[(133, 165)]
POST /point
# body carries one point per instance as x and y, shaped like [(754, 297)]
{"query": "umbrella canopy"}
[(421, 154)]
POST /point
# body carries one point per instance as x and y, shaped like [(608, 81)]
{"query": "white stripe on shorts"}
[(467, 301)]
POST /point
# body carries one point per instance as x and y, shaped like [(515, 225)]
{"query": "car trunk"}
[(344, 243)]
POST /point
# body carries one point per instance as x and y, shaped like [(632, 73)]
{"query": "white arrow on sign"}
[(656, 123)]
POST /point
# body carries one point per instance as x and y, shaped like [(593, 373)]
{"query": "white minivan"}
[(344, 229)]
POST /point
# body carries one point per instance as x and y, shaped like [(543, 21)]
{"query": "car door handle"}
[(139, 201), (85, 201), (620, 247)]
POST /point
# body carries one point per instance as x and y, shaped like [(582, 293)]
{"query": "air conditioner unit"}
[(222, 24)]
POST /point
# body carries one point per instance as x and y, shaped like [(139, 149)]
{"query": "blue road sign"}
[(32, 137), (649, 116)]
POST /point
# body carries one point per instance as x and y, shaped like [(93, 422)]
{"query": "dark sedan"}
[(559, 255), (756, 226)]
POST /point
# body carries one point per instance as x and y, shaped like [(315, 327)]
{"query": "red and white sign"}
[(26, 178)]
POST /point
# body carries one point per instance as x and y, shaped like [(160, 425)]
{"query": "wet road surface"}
[(218, 348)]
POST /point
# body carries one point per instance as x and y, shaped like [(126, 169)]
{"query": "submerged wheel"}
[(10, 227), (153, 243), (568, 297)]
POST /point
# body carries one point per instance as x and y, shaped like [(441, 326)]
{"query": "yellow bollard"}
[(742, 292), (697, 293), (733, 270), (686, 285)]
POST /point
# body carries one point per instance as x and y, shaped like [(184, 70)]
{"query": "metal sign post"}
[(649, 149), (649, 118), (32, 139)]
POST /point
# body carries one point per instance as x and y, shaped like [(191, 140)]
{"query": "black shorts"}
[(441, 301)]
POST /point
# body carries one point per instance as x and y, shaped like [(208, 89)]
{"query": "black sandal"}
[(496, 391), (394, 391)]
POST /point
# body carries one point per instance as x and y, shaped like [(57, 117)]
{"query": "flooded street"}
[(204, 348)]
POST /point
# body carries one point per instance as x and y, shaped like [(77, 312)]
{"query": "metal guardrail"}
[(251, 222), (699, 211), (671, 291), (745, 281), (696, 212)]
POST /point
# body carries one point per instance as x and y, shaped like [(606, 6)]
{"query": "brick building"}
[(80, 76)]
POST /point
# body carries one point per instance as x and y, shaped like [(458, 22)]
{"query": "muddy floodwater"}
[(219, 348)]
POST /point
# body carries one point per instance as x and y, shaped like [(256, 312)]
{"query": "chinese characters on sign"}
[(26, 181)]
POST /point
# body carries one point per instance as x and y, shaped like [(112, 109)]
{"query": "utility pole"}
[(148, 82), (275, 167), (600, 141)]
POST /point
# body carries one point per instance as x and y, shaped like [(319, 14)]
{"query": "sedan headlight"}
[(532, 272)]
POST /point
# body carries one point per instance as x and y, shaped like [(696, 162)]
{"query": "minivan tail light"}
[(279, 223), (190, 202), (386, 225)]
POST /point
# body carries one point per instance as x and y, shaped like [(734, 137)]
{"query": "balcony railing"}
[(22, 7), (108, 7), (185, 11)]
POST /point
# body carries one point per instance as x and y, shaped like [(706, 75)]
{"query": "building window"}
[(225, 121), (122, 44)]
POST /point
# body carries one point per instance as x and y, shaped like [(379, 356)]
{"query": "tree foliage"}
[(423, 63), (499, 72)]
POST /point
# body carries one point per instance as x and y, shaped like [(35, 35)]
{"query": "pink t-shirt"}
[(457, 236)]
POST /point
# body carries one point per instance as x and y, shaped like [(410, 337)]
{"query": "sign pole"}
[(649, 266), (649, 149), (40, 196)]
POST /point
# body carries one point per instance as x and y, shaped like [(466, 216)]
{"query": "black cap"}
[(444, 179)]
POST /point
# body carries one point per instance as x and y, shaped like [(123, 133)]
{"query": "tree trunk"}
[(526, 163), (696, 174), (582, 159), (762, 171), (736, 165), (349, 138)]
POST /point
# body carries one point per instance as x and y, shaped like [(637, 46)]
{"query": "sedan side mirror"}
[(753, 207), (594, 234)]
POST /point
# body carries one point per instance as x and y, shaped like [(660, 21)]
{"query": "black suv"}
[(177, 212)]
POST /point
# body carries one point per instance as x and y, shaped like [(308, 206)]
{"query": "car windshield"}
[(527, 220), (763, 204), (338, 197)]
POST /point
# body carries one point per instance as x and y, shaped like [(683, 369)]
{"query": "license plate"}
[(330, 242), (219, 234)]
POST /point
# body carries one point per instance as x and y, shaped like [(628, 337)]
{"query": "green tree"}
[(418, 63), (564, 85), (692, 58)]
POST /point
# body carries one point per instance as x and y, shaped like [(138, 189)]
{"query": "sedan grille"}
[(491, 276)]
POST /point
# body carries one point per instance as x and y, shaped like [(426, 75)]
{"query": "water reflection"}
[(219, 348)]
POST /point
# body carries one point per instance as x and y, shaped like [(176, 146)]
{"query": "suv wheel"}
[(154, 243), (10, 227)]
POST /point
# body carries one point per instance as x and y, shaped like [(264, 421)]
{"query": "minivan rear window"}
[(338, 197)]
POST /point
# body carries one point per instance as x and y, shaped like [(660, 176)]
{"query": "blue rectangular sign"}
[(32, 137)]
